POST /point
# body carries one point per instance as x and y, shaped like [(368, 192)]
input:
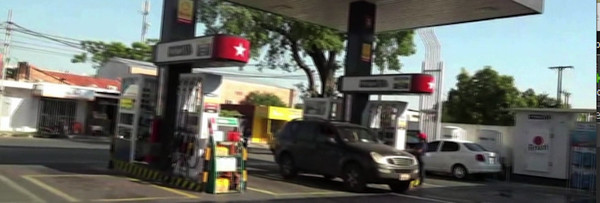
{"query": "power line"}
[(42, 35), (38, 39), (49, 35), (46, 46), (42, 50)]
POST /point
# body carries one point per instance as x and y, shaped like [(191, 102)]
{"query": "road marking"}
[(433, 185), (294, 193), (310, 193), (262, 191), (50, 188), (137, 199), (184, 194), (67, 175), (22, 190), (421, 198)]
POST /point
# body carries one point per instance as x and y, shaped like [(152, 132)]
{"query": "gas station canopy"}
[(398, 14)]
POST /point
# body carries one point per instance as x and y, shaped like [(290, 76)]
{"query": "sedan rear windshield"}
[(474, 147)]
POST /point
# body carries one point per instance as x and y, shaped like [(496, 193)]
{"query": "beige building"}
[(232, 89), (235, 90)]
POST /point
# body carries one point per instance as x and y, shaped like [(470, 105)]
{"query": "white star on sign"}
[(431, 85), (239, 50)]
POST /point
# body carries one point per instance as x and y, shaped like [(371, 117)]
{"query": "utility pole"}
[(5, 54), (559, 85), (145, 25)]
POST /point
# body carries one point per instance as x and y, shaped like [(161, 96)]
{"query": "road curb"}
[(146, 173), (24, 135)]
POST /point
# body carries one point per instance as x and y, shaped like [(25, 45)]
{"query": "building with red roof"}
[(58, 103)]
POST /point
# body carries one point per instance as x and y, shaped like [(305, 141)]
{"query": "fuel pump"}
[(323, 108), (136, 111), (194, 124), (388, 119)]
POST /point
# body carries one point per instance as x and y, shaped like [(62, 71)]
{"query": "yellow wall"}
[(262, 116), (259, 130)]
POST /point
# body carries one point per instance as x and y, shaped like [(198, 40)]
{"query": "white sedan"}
[(460, 158)]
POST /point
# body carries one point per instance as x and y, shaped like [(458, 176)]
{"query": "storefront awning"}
[(279, 113), (72, 92), (398, 14)]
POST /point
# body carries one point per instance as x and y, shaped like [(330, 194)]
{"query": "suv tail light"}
[(480, 158)]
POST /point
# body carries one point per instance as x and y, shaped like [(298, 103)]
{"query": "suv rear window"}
[(474, 147)]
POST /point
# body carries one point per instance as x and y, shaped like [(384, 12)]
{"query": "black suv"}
[(336, 149)]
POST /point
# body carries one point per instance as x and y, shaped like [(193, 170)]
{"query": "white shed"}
[(542, 141)]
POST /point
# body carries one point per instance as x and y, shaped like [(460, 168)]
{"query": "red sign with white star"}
[(231, 48), (422, 83)]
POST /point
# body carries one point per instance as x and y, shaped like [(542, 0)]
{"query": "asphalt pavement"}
[(74, 170)]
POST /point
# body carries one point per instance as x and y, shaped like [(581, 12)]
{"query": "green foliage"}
[(264, 99), (276, 39), (228, 113), (99, 52), (487, 97)]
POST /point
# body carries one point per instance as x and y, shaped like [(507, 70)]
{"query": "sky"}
[(522, 47)]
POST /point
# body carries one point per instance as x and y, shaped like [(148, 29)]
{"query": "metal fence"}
[(56, 117)]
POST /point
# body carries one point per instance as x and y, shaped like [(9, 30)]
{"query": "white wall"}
[(22, 111), (81, 112), (473, 135), (559, 127)]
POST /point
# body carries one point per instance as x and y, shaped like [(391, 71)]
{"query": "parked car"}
[(460, 158), (336, 149)]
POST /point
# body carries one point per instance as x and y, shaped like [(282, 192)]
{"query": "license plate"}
[(492, 161), (404, 176)]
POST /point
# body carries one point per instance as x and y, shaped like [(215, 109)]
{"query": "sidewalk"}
[(72, 137), (17, 134)]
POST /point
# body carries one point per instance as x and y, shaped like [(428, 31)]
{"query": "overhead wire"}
[(48, 46), (42, 35), (45, 51)]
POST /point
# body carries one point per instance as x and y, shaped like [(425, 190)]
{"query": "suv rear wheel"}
[(286, 167), (400, 186), (354, 178)]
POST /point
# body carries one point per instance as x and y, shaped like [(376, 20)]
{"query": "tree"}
[(283, 37), (228, 113), (266, 99), (484, 98), (532, 100), (101, 52)]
